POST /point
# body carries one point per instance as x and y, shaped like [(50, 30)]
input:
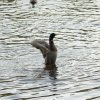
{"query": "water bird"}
[(48, 50), (33, 2)]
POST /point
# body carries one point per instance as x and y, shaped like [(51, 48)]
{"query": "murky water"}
[(77, 25)]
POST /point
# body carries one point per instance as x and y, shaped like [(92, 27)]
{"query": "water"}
[(77, 25)]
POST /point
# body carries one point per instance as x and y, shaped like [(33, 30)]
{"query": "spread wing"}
[(42, 45)]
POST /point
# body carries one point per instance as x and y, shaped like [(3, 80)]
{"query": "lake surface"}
[(77, 25)]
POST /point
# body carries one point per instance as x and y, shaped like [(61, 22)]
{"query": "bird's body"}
[(33, 2), (49, 51)]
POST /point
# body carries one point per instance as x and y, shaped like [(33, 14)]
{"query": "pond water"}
[(77, 25)]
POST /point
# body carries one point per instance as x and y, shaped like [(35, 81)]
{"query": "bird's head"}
[(52, 35)]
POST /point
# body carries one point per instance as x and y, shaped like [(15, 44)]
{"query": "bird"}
[(33, 2), (48, 50)]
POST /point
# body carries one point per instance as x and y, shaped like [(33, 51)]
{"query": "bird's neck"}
[(51, 41), (51, 45)]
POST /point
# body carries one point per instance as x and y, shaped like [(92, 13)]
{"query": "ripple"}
[(22, 74)]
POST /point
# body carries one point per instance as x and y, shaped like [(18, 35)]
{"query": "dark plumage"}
[(33, 2), (49, 51)]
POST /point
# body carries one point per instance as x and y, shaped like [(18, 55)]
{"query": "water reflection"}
[(8, 0), (53, 74), (52, 69), (77, 23), (53, 81)]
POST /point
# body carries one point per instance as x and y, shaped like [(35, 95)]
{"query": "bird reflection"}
[(52, 70)]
